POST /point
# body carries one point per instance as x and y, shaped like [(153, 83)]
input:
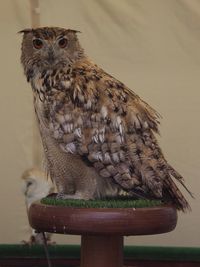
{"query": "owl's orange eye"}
[(63, 42), (37, 43)]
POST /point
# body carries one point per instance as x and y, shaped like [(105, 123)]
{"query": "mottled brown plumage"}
[(98, 135)]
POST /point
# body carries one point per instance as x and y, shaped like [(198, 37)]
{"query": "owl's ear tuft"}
[(25, 31), (74, 31)]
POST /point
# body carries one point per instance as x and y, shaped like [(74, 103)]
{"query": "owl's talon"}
[(60, 196), (77, 195)]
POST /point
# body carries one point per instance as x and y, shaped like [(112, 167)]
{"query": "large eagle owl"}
[(98, 135)]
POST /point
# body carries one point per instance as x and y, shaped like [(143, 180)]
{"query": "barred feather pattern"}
[(93, 115), (94, 127)]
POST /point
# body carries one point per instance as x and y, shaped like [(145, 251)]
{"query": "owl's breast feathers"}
[(93, 115)]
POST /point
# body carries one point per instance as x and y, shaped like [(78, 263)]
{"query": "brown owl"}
[(98, 135)]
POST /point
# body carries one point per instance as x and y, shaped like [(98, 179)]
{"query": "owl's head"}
[(35, 185), (49, 48)]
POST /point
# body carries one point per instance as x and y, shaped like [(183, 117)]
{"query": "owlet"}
[(35, 187), (98, 135)]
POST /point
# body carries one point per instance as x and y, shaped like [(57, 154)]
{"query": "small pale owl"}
[(98, 135), (34, 187)]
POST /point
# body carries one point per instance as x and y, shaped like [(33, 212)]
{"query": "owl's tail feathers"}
[(171, 190), (178, 177)]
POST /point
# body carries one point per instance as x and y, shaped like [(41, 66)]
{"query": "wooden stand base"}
[(102, 229)]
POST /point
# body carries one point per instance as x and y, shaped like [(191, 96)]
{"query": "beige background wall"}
[(150, 45)]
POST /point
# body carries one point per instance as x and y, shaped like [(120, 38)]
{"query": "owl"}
[(99, 137), (34, 187)]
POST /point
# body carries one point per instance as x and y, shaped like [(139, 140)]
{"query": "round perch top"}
[(94, 221)]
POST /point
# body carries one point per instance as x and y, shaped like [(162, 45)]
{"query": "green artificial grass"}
[(104, 203)]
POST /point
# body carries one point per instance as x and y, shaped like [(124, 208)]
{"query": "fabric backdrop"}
[(151, 46)]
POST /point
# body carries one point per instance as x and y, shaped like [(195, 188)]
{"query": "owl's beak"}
[(51, 56)]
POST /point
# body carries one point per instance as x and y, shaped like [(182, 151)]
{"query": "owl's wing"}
[(112, 129)]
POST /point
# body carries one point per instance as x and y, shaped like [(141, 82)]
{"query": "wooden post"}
[(102, 229), (101, 251)]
